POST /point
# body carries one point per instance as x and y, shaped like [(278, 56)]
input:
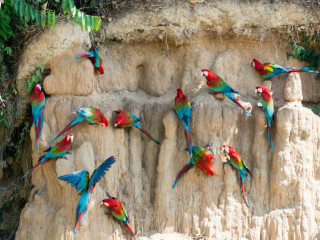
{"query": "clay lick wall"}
[(142, 77)]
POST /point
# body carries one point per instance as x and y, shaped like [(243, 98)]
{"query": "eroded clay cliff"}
[(146, 58)]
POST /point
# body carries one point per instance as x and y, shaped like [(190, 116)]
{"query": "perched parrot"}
[(237, 163), (95, 58), (183, 110), (118, 211), (80, 180), (267, 103), (55, 151), (269, 70), (217, 84), (91, 114), (37, 103), (127, 119), (202, 158)]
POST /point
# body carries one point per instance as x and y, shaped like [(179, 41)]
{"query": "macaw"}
[(237, 163), (55, 151), (95, 58), (37, 103), (80, 180), (118, 211), (202, 158), (127, 119), (267, 103), (269, 70), (183, 110), (91, 114), (217, 84)]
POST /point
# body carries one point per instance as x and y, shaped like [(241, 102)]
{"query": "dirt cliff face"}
[(146, 58)]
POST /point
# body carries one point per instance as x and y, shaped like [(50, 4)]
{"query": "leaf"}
[(22, 8), (49, 19), (33, 13), (41, 67), (38, 17), (54, 19), (6, 123), (27, 14), (38, 73), (88, 23), (16, 5), (98, 25), (43, 19), (306, 39), (65, 6)]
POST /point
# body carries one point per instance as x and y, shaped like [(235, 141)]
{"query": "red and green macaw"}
[(37, 103), (237, 163), (118, 211), (267, 103), (91, 114), (218, 85), (183, 110), (127, 119), (202, 158), (269, 70), (57, 150), (85, 185), (95, 58)]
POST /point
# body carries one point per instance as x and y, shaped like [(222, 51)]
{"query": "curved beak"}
[(101, 204), (115, 125), (202, 74)]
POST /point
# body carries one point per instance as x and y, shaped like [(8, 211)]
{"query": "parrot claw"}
[(69, 152), (65, 158)]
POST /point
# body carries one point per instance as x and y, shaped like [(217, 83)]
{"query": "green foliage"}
[(22, 139), (315, 108), (30, 14), (307, 51), (86, 22), (35, 78)]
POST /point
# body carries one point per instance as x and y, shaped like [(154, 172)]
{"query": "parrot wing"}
[(247, 169), (86, 55), (101, 171), (79, 180), (275, 67)]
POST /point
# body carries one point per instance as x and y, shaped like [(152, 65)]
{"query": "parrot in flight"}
[(55, 151), (127, 119), (183, 110), (118, 211), (95, 58), (267, 103), (269, 70), (37, 103), (237, 163), (202, 158), (217, 84), (91, 114), (85, 185)]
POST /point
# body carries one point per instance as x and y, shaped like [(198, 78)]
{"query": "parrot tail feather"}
[(131, 231), (73, 123), (183, 171), (243, 192), (269, 134), (188, 139), (302, 70), (144, 131), (38, 129), (232, 98), (31, 170)]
